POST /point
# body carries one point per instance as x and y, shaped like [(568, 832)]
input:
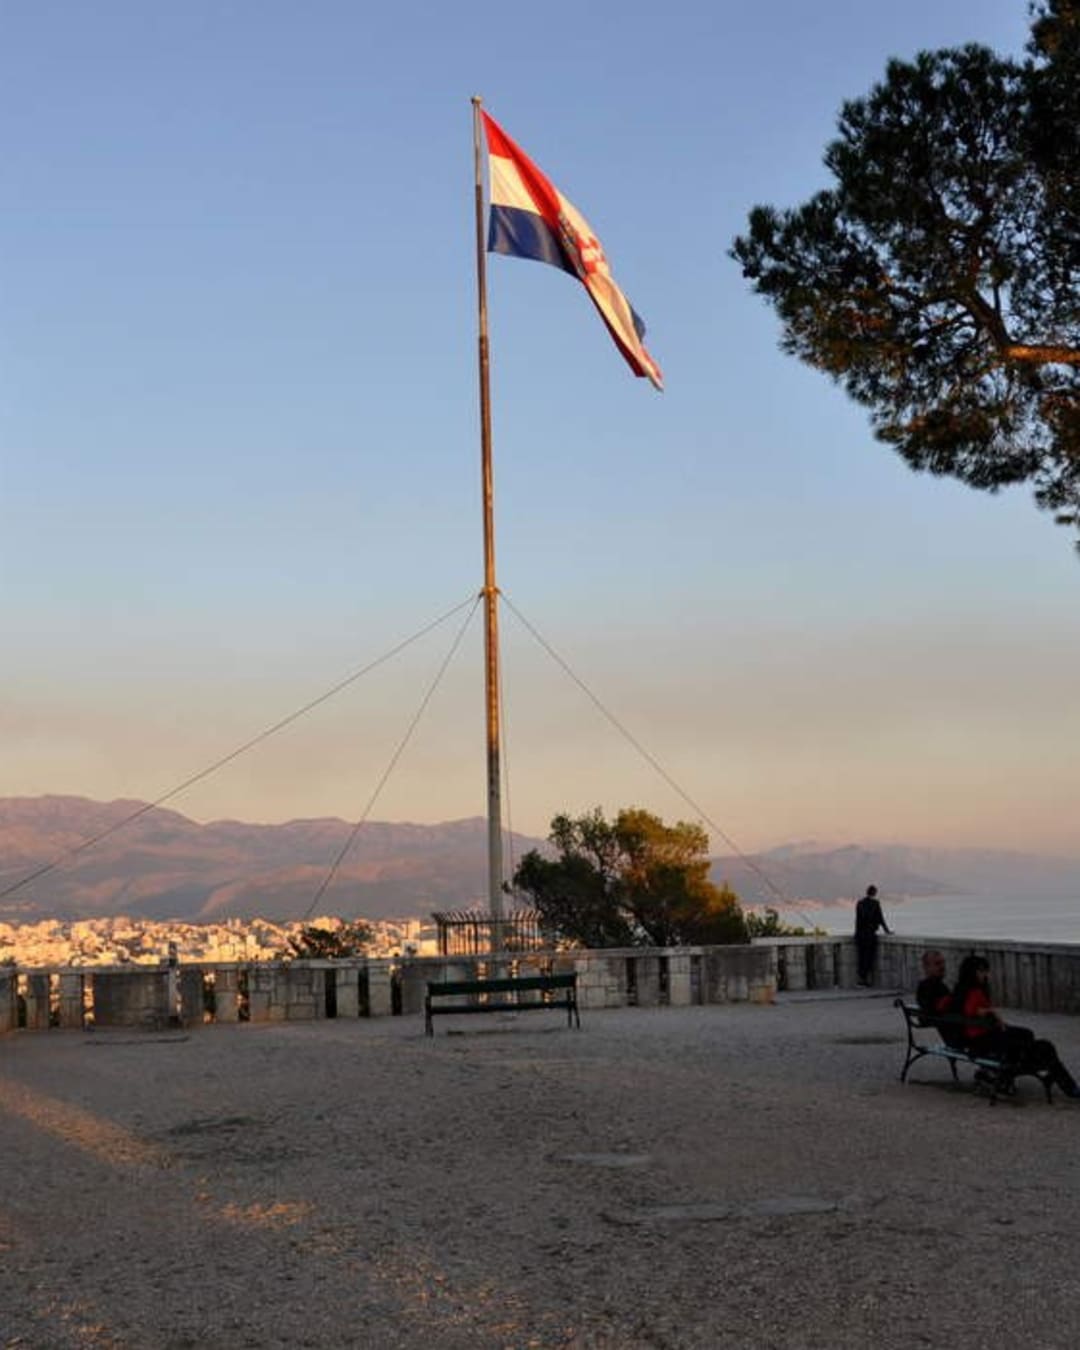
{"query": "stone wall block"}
[(263, 993), (414, 978), (647, 974), (680, 994), (1044, 991), (379, 1000), (891, 966), (824, 965), (226, 994), (764, 991), (795, 967), (1027, 980), (846, 970), (37, 1003), (347, 990), (71, 1001), (131, 998), (192, 985), (305, 993), (615, 982), (7, 999), (728, 974), (679, 988)]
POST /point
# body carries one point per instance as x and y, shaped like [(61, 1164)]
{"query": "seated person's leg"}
[(1018, 1046), (1045, 1059)]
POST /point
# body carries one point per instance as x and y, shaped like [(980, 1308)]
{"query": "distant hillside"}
[(164, 866), (811, 872), (824, 876)]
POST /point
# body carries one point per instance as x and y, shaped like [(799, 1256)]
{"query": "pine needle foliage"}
[(629, 882), (938, 277)]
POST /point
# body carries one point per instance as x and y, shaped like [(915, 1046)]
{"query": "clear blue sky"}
[(239, 447)]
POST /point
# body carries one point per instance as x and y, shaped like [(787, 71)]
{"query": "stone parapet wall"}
[(1034, 977), (1038, 977), (277, 991), (811, 962), (1042, 977)]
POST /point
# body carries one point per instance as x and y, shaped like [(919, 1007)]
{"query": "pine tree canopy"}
[(631, 882), (938, 278)]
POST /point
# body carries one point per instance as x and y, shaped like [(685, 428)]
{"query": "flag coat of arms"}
[(530, 218)]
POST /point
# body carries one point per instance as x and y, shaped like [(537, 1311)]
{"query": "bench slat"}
[(506, 985), (543, 984)]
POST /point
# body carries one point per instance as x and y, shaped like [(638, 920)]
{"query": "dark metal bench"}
[(555, 991), (996, 1076)]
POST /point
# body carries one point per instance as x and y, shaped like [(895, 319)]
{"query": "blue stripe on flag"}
[(524, 234)]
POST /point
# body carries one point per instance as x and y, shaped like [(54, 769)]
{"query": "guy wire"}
[(45, 868), (393, 761), (652, 760)]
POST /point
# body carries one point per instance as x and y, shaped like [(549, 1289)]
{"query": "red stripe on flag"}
[(537, 184)]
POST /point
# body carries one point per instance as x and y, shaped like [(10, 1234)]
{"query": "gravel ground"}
[(704, 1177)]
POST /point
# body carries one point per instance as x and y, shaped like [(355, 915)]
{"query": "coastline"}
[(1006, 916)]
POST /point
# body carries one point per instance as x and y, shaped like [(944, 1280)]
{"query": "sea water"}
[(1016, 918)]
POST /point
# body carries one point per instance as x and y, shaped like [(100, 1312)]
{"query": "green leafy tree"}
[(629, 882), (938, 278), (327, 944)]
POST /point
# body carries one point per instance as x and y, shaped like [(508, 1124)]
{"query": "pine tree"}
[(938, 278)]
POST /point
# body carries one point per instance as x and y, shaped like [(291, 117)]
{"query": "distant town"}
[(121, 941)]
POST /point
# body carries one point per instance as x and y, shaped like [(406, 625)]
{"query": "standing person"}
[(991, 1036), (868, 919)]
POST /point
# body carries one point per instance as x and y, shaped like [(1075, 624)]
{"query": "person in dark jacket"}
[(868, 919), (987, 1034), (933, 994), (934, 998)]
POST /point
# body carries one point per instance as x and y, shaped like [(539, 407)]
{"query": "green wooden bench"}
[(996, 1076), (556, 991)]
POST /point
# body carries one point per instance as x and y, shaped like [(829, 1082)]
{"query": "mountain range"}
[(825, 873), (161, 865)]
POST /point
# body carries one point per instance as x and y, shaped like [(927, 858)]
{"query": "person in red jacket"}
[(989, 1035)]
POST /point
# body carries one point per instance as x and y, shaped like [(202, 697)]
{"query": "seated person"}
[(933, 993), (987, 1034), (935, 1001)]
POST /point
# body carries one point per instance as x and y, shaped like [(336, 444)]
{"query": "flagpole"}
[(491, 594)]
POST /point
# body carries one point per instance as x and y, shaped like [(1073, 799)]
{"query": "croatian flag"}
[(530, 218)]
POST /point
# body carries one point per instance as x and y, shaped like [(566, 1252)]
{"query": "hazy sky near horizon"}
[(239, 436)]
